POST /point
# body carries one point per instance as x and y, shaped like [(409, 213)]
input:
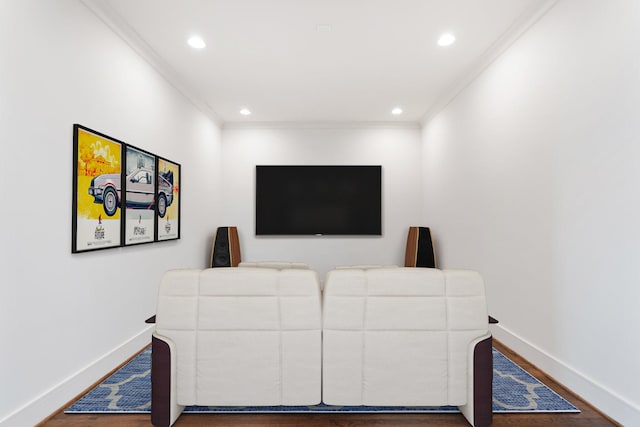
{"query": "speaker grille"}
[(221, 260), (425, 257), (226, 248), (419, 251)]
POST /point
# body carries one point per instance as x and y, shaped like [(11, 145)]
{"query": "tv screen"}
[(318, 200)]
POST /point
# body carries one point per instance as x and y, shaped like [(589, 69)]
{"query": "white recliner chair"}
[(407, 337), (278, 265), (236, 336)]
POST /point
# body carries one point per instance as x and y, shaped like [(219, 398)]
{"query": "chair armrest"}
[(478, 410), (165, 409)]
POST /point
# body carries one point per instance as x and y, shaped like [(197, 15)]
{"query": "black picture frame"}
[(97, 172), (139, 195), (168, 203)]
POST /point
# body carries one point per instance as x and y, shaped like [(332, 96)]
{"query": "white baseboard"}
[(57, 396), (605, 400)]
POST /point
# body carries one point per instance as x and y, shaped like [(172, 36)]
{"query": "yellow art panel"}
[(163, 167), (96, 156)]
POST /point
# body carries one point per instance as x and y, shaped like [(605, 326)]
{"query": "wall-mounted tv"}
[(319, 200)]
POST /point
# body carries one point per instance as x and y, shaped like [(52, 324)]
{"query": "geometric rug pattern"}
[(128, 390)]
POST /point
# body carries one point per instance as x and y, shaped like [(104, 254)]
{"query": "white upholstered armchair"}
[(407, 337), (236, 336)]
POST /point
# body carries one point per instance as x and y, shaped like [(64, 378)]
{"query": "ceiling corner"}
[(103, 11), (519, 27)]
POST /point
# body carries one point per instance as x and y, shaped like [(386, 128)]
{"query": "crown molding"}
[(321, 125), (122, 29), (519, 27)]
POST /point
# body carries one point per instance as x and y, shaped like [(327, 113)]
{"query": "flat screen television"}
[(319, 200)]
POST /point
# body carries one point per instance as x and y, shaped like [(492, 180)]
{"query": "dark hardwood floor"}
[(589, 417)]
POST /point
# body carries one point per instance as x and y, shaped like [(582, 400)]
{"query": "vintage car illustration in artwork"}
[(165, 192), (106, 189)]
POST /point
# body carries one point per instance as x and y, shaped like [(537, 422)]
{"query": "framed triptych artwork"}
[(122, 195), (96, 217)]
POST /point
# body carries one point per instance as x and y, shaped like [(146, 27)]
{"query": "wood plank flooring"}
[(589, 417)]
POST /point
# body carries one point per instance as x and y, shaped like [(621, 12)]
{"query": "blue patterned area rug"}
[(128, 390)]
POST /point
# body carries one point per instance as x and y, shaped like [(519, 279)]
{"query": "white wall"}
[(66, 320), (396, 148), (531, 177)]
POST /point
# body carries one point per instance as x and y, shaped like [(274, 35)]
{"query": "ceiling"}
[(319, 60)]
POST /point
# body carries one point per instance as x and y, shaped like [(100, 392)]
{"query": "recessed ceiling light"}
[(446, 39), (396, 111), (196, 42), (245, 112)]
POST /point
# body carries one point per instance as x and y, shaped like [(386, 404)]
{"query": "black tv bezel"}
[(375, 233)]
